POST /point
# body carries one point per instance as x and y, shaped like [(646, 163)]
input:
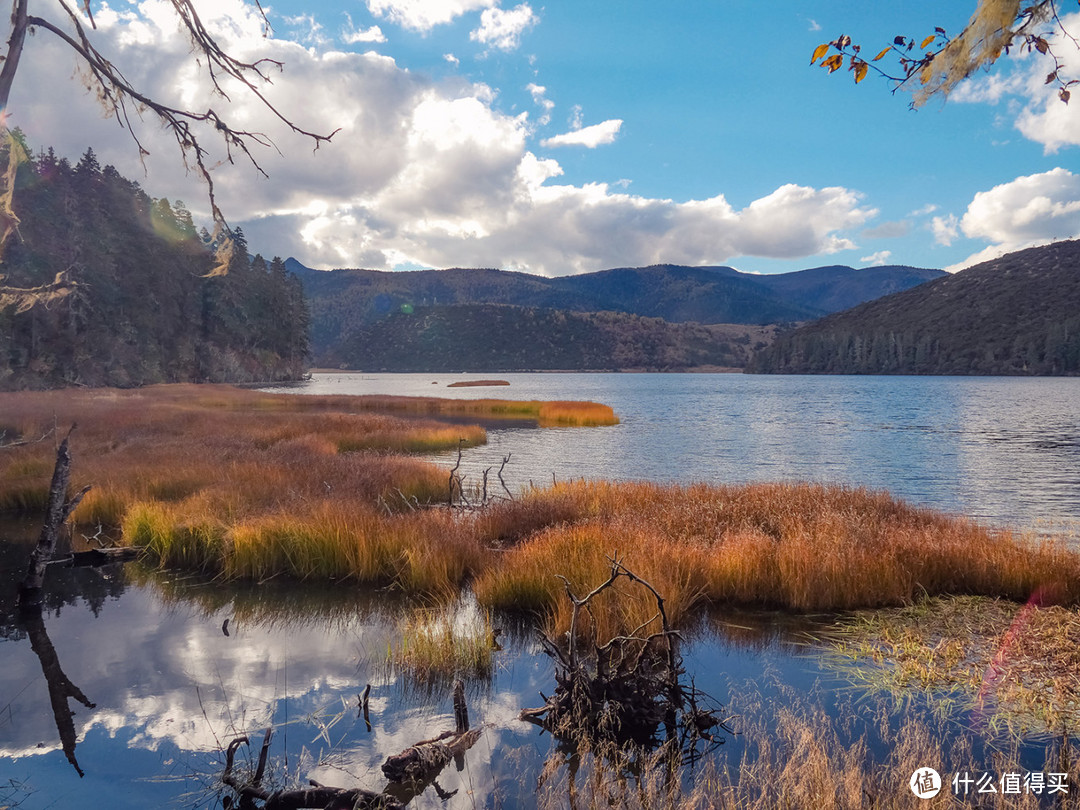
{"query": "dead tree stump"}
[(59, 509)]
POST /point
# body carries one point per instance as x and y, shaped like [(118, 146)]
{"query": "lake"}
[(176, 667), (1003, 450)]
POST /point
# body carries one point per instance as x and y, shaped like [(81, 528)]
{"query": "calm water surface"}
[(170, 687), (1004, 450)]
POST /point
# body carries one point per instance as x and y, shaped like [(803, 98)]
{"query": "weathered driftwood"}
[(59, 509), (626, 690), (410, 772), (423, 761), (312, 798), (97, 556)]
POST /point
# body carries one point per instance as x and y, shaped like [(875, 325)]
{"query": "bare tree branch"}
[(118, 95)]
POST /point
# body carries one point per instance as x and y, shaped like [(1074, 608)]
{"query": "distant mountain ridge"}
[(347, 302), (1018, 314)]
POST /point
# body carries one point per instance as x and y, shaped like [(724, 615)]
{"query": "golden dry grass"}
[(1017, 667), (437, 645), (251, 485), (801, 547)]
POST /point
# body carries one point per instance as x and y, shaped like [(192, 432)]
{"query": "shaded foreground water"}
[(176, 667)]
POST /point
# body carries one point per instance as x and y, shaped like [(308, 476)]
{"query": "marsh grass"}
[(243, 484), (800, 547), (1015, 667), (795, 750), (437, 645)]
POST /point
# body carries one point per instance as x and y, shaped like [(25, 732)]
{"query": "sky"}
[(571, 137)]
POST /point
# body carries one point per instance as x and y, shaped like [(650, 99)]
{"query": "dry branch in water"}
[(624, 690), (410, 773)]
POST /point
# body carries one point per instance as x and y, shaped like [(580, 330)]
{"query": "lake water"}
[(171, 683), (1004, 450)]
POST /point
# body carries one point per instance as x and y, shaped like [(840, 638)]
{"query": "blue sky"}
[(570, 137)]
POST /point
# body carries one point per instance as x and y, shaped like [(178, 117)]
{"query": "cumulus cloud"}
[(1038, 207), (351, 35), (423, 15), (421, 171), (589, 137), (945, 229), (1032, 210), (501, 29)]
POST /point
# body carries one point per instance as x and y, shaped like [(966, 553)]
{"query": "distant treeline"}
[(1019, 314), (134, 302), (492, 337)]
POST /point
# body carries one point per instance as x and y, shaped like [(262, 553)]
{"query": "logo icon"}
[(925, 783)]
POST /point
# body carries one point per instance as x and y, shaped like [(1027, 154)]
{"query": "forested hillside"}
[(1019, 314), (105, 285), (346, 303), (490, 337)]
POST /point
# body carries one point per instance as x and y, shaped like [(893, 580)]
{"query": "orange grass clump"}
[(803, 547)]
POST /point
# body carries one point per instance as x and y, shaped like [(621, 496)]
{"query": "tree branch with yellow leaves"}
[(934, 65)]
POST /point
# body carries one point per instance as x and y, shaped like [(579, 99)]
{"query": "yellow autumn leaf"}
[(834, 62), (927, 41), (860, 71), (884, 51), (819, 52)]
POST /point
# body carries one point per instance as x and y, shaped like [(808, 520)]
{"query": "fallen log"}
[(96, 557), (423, 761), (312, 798)]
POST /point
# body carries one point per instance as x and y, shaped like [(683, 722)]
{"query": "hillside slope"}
[(491, 337), (1019, 314), (108, 286)]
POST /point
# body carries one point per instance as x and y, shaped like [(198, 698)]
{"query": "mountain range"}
[(346, 305)]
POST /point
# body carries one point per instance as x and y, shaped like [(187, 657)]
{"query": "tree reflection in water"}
[(61, 688)]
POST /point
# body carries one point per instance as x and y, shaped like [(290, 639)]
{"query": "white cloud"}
[(815, 25), (877, 259), (451, 59), (1038, 207), (945, 229), (590, 137), (351, 35), (307, 29), (1032, 210), (541, 100), (929, 208), (501, 29), (423, 15), (421, 171)]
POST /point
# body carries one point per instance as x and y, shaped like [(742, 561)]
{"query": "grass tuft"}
[(443, 644)]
